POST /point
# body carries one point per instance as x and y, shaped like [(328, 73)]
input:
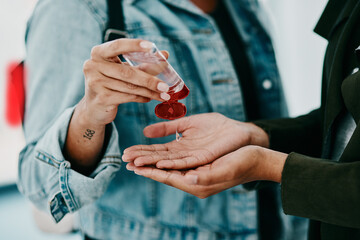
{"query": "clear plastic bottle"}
[(156, 64), (156, 61)]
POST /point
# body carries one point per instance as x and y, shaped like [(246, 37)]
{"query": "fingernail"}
[(138, 164), (146, 44), (165, 96), (192, 179), (130, 167), (163, 87), (164, 164), (125, 158), (137, 172)]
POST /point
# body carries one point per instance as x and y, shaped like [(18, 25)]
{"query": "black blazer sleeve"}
[(302, 134), (322, 190)]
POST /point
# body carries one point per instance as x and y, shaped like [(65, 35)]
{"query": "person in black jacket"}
[(315, 157)]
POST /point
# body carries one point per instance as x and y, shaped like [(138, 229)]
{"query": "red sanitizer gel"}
[(155, 63)]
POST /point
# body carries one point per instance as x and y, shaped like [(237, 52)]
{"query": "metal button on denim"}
[(267, 84)]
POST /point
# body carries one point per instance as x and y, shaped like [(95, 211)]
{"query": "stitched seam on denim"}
[(47, 158), (112, 163), (112, 157), (93, 10), (52, 165), (65, 190), (116, 160)]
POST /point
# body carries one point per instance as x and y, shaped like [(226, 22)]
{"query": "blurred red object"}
[(15, 93)]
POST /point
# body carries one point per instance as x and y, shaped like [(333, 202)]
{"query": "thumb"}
[(163, 129)]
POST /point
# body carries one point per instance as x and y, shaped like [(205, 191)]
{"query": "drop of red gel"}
[(173, 109)]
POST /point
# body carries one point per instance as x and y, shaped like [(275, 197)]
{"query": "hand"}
[(205, 137), (109, 82), (244, 165)]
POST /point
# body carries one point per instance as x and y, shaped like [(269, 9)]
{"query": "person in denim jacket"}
[(82, 112)]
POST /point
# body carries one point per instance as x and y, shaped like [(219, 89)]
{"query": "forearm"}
[(49, 181), (84, 142), (322, 190)]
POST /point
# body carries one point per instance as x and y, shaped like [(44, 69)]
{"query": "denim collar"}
[(182, 4)]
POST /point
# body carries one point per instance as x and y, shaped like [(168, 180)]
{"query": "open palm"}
[(205, 137)]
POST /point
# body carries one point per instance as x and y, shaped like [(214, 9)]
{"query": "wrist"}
[(271, 164), (84, 119)]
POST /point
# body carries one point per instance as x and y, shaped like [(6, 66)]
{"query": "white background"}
[(299, 52)]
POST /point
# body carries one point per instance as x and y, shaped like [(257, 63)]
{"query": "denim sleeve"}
[(46, 177), (59, 38)]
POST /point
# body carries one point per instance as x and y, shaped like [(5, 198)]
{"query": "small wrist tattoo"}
[(89, 134)]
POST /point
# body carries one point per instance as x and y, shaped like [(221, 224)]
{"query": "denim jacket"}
[(112, 202)]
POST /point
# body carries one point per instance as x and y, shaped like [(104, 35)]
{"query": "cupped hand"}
[(244, 165), (109, 82), (205, 137)]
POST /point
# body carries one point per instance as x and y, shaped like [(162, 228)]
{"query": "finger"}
[(115, 98), (166, 128), (108, 97), (95, 81), (116, 47), (178, 180), (121, 98), (130, 153), (130, 166), (129, 88), (209, 175), (153, 68), (170, 159), (142, 157), (177, 160), (132, 76), (183, 160), (203, 191), (171, 178)]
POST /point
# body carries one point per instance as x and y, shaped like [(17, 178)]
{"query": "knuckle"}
[(113, 45), (150, 82), (88, 66), (127, 71), (94, 51), (116, 45), (215, 114), (94, 82), (131, 86), (167, 179)]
